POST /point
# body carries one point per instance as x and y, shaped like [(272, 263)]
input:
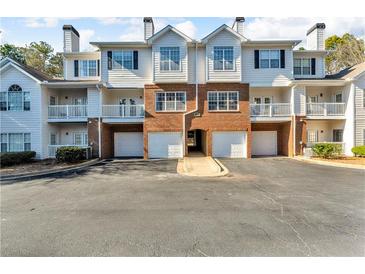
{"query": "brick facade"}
[(301, 134), (93, 135)]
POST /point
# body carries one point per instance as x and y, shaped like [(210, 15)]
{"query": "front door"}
[(129, 108)]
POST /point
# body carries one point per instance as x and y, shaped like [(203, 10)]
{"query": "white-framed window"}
[(223, 58), (337, 135), (87, 68), (223, 100), (262, 100), (53, 139), (15, 99), (169, 58), (269, 58), (302, 66), (80, 138), (171, 101), (312, 136), (123, 59), (15, 142), (338, 98)]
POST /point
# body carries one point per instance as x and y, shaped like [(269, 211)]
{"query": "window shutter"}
[(110, 60), (282, 58), (98, 67), (313, 66), (257, 59), (135, 59), (76, 68)]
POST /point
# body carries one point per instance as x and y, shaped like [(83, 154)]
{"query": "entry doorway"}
[(195, 141)]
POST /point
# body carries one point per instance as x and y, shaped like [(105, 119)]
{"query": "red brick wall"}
[(301, 134), (93, 135), (208, 121)]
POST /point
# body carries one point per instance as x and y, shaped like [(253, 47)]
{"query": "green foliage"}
[(301, 48), (325, 150), (70, 154), (15, 158), (40, 56), (346, 51), (359, 151)]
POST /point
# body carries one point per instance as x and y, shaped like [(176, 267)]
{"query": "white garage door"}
[(165, 145), (264, 143), (230, 144), (128, 144)]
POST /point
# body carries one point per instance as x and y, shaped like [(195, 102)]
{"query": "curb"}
[(36, 175), (323, 163), (182, 170)]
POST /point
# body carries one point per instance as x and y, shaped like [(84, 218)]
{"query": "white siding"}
[(23, 121), (170, 39), (269, 76), (224, 38), (315, 40), (320, 64), (71, 41), (69, 70), (119, 78), (359, 111), (299, 100), (93, 102), (201, 65)]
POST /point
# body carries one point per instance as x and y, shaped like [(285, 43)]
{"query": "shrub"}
[(70, 154), (325, 150), (15, 158), (359, 151)]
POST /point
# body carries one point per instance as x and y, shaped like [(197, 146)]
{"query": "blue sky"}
[(21, 31)]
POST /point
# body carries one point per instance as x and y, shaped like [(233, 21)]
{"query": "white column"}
[(349, 128)]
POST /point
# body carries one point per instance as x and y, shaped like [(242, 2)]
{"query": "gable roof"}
[(221, 28), (36, 74), (348, 73), (166, 30)]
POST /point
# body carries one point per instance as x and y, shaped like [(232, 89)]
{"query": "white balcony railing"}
[(67, 111), (326, 109), (123, 111), (271, 110), (53, 148)]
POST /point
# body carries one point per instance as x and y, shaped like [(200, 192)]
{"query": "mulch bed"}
[(344, 160)]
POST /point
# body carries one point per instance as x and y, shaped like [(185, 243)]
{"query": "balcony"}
[(329, 110), (123, 113), (67, 113), (52, 149), (277, 111)]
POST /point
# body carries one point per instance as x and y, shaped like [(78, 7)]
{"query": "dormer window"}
[(223, 58), (169, 58)]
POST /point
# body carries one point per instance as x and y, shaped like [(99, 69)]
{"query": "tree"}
[(14, 52), (40, 56), (346, 51)]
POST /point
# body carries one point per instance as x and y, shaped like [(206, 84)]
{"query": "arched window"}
[(14, 88)]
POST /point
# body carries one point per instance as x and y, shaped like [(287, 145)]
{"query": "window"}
[(170, 101), (262, 100), (53, 139), (88, 68), (312, 136), (223, 100), (169, 58), (223, 58), (80, 138), (338, 98), (302, 66), (52, 101), (269, 58), (13, 142), (15, 99), (337, 135), (123, 59)]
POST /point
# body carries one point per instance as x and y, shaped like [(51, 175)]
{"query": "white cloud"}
[(44, 22), (85, 38), (187, 28)]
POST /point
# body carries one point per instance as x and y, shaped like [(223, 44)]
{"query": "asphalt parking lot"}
[(264, 207)]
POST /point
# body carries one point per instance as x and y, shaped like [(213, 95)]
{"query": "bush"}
[(70, 154), (359, 151), (15, 158), (325, 150)]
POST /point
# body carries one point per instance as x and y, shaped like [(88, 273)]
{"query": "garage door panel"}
[(230, 144), (264, 143), (128, 144), (165, 145)]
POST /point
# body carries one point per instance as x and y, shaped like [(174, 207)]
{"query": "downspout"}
[(294, 123), (99, 119), (196, 97)]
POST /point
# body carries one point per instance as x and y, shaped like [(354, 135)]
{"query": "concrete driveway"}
[(264, 207)]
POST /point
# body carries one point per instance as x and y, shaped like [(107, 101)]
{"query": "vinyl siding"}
[(201, 65), (71, 42), (224, 38), (69, 70), (320, 64), (359, 111), (170, 39), (299, 100), (266, 77), (119, 78), (23, 121), (93, 102)]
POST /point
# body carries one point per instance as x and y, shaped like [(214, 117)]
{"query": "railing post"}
[(67, 112), (270, 110), (325, 109)]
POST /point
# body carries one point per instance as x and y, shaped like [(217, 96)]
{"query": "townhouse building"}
[(169, 95)]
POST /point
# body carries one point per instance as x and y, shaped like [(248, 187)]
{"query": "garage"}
[(128, 144), (230, 144), (264, 143), (165, 145)]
